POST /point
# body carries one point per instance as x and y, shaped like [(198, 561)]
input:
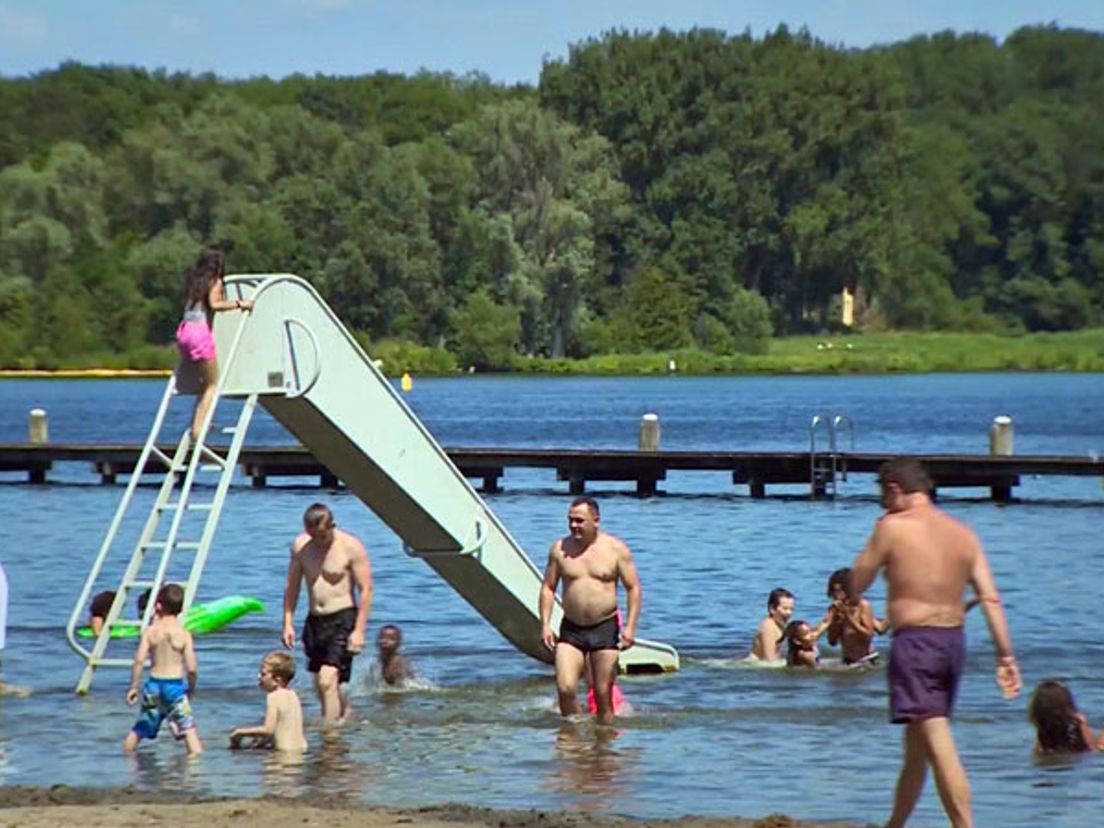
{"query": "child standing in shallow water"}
[(171, 653), (283, 723), (1059, 726)]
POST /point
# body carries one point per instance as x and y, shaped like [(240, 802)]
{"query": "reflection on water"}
[(333, 767), (164, 770), (588, 767), (283, 773)]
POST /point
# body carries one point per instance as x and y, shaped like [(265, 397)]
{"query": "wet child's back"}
[(171, 654), (287, 735), (168, 644)]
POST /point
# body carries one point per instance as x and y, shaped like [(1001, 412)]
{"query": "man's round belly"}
[(329, 604), (586, 605), (911, 613)]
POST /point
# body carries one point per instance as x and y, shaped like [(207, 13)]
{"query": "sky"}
[(505, 39)]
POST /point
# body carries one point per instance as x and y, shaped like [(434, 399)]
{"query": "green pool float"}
[(200, 619)]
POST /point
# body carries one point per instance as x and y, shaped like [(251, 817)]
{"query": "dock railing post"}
[(1000, 435), (648, 439), (38, 434), (1000, 444)]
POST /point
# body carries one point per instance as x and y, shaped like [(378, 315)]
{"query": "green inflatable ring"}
[(200, 619)]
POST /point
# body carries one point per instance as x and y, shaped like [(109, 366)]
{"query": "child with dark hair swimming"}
[(801, 645), (1059, 726)]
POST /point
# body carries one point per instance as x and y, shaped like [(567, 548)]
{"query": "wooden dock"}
[(755, 469)]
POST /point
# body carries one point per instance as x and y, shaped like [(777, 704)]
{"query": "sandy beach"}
[(33, 807)]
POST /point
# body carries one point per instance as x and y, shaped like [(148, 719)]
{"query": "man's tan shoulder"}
[(348, 537), (615, 543), (351, 543)]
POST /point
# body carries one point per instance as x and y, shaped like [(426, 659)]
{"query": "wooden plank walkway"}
[(578, 467)]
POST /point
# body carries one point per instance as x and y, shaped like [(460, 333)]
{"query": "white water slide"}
[(311, 375)]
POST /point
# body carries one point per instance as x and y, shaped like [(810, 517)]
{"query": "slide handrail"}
[(288, 322)]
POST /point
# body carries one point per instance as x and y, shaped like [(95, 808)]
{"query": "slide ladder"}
[(293, 356), (167, 529)]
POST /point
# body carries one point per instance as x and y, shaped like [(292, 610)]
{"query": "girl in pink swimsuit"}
[(204, 295)]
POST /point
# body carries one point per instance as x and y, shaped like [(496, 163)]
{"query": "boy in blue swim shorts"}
[(171, 654)]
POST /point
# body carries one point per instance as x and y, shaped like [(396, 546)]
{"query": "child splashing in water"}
[(1059, 726), (395, 669), (204, 295)]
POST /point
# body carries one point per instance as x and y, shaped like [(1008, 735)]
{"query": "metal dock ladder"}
[(827, 468), (164, 532)]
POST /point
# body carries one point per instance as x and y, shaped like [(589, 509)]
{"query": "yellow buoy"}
[(407, 382)]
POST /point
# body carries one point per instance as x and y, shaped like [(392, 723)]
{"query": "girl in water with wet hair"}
[(801, 645), (204, 295), (1059, 726)]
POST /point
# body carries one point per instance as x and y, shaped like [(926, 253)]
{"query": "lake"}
[(718, 738)]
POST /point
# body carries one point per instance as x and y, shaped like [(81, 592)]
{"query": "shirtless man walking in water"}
[(929, 559), (589, 562), (334, 564)]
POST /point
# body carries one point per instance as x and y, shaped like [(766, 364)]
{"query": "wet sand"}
[(31, 807)]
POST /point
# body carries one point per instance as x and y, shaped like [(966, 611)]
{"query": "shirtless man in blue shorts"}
[(929, 559), (590, 562)]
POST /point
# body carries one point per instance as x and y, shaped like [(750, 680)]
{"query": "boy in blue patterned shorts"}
[(171, 652)]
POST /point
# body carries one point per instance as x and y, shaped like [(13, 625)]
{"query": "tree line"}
[(654, 191)]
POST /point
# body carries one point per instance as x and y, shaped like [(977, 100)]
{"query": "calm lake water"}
[(718, 738)]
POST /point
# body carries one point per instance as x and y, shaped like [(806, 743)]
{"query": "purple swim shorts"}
[(195, 341), (925, 666)]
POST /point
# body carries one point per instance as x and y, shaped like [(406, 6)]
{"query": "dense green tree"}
[(559, 188), (657, 190), (486, 333)]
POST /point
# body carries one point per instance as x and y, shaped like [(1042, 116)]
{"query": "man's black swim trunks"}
[(326, 641), (605, 635)]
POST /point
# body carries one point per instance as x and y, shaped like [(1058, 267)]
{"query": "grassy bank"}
[(837, 354), (862, 354)]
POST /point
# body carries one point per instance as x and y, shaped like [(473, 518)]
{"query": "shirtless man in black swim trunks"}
[(334, 565), (589, 562), (929, 559)]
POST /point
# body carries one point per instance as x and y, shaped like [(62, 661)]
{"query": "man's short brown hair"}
[(907, 473), (318, 516), (281, 665)]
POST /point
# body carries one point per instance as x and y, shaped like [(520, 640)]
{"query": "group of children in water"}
[(850, 624), (165, 694), (1059, 726)]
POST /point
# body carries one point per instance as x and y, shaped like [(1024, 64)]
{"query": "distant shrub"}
[(400, 355)]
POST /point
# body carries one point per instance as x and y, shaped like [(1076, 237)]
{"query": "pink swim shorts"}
[(195, 340)]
